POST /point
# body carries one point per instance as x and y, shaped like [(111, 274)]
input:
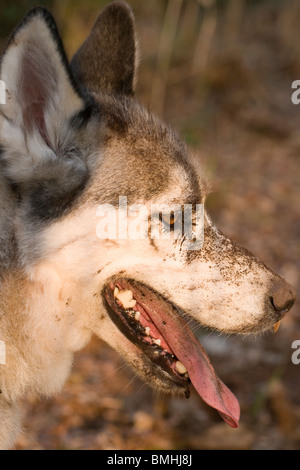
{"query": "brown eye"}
[(169, 219)]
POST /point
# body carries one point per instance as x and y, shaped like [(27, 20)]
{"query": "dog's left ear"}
[(106, 61)]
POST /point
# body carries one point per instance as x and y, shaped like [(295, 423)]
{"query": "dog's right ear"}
[(106, 61), (39, 155)]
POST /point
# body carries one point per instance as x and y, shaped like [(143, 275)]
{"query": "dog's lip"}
[(165, 316), (161, 356)]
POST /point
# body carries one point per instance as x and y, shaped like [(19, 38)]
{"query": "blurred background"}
[(220, 72)]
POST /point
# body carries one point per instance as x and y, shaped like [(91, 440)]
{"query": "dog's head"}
[(75, 143)]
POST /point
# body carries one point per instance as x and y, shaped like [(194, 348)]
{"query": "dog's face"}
[(75, 140)]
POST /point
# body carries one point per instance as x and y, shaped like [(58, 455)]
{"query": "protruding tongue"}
[(192, 355), (211, 389)]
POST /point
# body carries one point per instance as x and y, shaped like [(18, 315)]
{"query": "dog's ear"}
[(38, 152), (107, 59)]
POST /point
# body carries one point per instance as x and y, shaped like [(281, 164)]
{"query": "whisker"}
[(129, 383), (116, 370)]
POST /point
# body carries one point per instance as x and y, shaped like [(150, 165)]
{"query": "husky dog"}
[(74, 138)]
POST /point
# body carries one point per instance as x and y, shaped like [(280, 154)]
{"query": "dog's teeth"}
[(116, 291), (180, 367), (276, 326), (125, 297), (137, 315), (157, 341), (147, 330)]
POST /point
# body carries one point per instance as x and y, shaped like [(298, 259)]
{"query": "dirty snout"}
[(237, 292)]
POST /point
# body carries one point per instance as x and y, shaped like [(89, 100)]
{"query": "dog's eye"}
[(169, 220)]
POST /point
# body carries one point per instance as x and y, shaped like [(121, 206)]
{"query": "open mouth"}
[(156, 327)]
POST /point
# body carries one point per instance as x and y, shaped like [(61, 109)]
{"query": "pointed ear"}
[(35, 71), (36, 133), (106, 62)]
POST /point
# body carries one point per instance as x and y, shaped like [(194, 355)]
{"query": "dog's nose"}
[(282, 298)]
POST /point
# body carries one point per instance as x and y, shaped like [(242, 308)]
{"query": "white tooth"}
[(126, 298), (157, 341), (137, 315), (147, 330), (116, 291), (180, 367)]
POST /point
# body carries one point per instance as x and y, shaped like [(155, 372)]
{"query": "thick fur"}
[(71, 139)]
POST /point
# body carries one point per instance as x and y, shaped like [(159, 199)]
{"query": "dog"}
[(74, 139)]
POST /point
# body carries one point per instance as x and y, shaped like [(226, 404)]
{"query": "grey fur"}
[(106, 60)]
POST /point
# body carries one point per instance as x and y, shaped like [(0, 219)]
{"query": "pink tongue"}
[(192, 355), (211, 389)]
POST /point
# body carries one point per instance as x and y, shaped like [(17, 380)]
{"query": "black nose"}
[(282, 298)]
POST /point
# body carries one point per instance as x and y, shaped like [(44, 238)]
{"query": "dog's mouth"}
[(157, 328)]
